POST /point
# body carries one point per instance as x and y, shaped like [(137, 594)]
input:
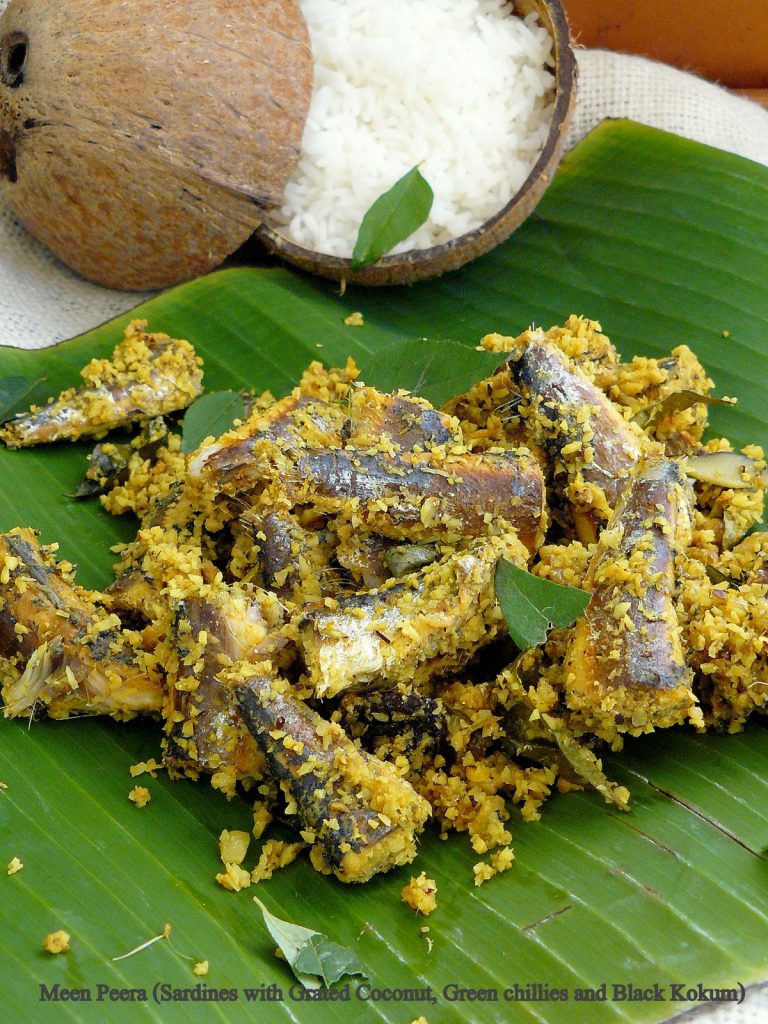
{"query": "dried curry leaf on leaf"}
[(586, 765), (532, 606), (16, 393), (678, 401), (313, 957), (210, 416), (393, 217), (437, 370), (715, 576), (330, 961)]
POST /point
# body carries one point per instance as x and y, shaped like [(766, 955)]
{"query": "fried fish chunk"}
[(363, 417), (410, 630), (405, 420), (359, 815), (149, 375), (211, 627), (625, 668), (59, 651), (423, 496), (594, 449)]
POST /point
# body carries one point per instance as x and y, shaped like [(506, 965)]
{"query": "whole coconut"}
[(142, 142)]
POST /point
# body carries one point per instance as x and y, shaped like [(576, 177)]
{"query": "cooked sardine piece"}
[(359, 815), (295, 560), (289, 553), (490, 411), (363, 555), (233, 461), (414, 496), (59, 651), (399, 720), (427, 624), (149, 375), (407, 421), (137, 595), (283, 539), (425, 496), (210, 631), (108, 464), (136, 599), (625, 670), (233, 464), (366, 416), (594, 449), (297, 418)]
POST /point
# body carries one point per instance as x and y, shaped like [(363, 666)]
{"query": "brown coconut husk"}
[(143, 142)]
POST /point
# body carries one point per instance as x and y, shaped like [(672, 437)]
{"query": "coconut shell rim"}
[(421, 264)]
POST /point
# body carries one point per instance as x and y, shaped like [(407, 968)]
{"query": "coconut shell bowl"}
[(144, 143)]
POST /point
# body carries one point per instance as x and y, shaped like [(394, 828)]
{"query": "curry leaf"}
[(393, 217), (436, 370), (310, 954), (678, 401), (15, 394), (210, 416), (716, 577), (532, 606), (290, 938), (327, 959)]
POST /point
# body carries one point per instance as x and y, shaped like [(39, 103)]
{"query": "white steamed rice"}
[(458, 85)]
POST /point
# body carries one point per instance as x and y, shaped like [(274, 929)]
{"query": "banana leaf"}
[(664, 241)]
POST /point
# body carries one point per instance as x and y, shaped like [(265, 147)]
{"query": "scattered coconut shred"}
[(140, 796), (57, 942), (401, 83), (420, 893)]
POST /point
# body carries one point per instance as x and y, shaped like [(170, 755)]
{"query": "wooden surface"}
[(725, 42), (758, 95)]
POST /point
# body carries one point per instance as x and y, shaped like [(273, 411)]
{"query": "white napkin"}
[(620, 85)]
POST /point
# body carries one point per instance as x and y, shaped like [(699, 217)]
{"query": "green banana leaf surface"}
[(665, 242)]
